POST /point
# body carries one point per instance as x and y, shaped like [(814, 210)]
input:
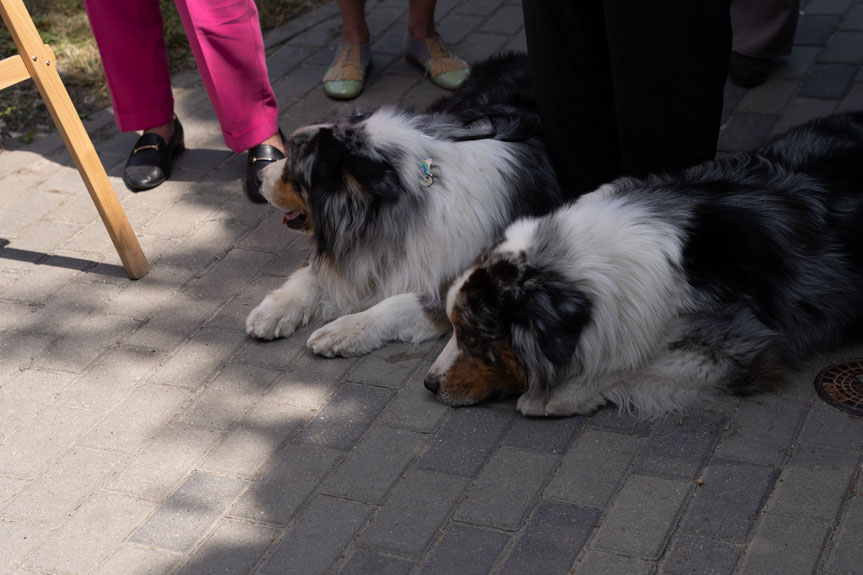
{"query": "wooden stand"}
[(36, 60)]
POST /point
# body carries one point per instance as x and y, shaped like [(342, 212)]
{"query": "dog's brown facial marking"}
[(278, 188), (469, 370)]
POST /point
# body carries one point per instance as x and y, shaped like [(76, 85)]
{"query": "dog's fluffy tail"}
[(829, 149)]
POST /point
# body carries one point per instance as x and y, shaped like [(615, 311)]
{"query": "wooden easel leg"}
[(41, 64)]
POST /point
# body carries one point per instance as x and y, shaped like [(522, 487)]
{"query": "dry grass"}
[(63, 25)]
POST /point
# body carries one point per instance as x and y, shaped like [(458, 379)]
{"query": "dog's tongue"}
[(291, 216)]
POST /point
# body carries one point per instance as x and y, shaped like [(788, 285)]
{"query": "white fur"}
[(464, 211)]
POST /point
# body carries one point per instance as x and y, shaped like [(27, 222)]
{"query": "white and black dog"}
[(399, 204), (653, 293)]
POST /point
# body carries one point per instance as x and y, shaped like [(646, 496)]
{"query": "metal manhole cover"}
[(841, 386)]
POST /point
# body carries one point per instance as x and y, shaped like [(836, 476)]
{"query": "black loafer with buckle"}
[(149, 164), (259, 158)]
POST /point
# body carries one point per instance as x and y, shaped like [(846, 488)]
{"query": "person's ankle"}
[(165, 131), (275, 141)]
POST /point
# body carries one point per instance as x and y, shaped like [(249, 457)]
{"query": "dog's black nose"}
[(432, 383)]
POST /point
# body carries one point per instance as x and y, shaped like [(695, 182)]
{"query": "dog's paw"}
[(270, 320), (347, 336), (557, 408)]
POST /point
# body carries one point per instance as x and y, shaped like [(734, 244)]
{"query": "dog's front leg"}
[(286, 308), (403, 317)]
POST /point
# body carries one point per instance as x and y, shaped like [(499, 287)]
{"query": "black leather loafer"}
[(149, 164), (259, 158)]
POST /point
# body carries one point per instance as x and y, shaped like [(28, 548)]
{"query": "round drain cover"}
[(841, 386)]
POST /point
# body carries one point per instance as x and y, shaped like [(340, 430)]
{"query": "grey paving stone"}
[(75, 354), (229, 275), (827, 426), (844, 46), (414, 407), (21, 540), (199, 359), (551, 435), (289, 478), (689, 555), (745, 132), (853, 19), (260, 433), (828, 81), (846, 556), (234, 547), (814, 484), (319, 536), (552, 538), (827, 6), (466, 441), (802, 110), (762, 430), (48, 435), (771, 97), (173, 324), (728, 502), (310, 381), (107, 382), (391, 366), (186, 515), (680, 446), (786, 545), (134, 560), (465, 550), (592, 470), (227, 397), (854, 100), (506, 489), (364, 562), (640, 520), (508, 20), (164, 463), (600, 563), (346, 416), (140, 417), (370, 469), (414, 513), (49, 499), (815, 29), (25, 393), (98, 526)]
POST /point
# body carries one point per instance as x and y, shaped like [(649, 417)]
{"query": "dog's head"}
[(516, 327), (334, 175)]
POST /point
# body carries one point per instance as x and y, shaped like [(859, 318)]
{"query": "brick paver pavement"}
[(142, 432)]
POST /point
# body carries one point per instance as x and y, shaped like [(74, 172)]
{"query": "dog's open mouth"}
[(295, 219)]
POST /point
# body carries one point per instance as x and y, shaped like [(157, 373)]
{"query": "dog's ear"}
[(549, 316), (336, 159), (377, 177)]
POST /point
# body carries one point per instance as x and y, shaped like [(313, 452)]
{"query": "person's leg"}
[(354, 27), (424, 48), (421, 18), (761, 31), (228, 46), (764, 29), (566, 46), (346, 76), (669, 62), (132, 47)]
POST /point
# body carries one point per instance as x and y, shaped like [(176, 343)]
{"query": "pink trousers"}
[(226, 40)]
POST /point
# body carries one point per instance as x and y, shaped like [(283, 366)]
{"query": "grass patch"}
[(63, 25)]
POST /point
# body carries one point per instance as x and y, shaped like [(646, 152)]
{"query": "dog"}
[(657, 293), (398, 204)]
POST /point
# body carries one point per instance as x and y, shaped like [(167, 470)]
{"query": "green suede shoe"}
[(443, 67), (347, 75)]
